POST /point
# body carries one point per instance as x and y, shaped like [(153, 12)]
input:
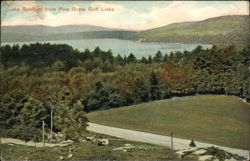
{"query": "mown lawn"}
[(91, 151), (218, 119)]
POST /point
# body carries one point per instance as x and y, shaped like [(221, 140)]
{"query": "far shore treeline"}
[(37, 77)]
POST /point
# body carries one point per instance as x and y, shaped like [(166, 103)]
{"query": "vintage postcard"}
[(125, 80)]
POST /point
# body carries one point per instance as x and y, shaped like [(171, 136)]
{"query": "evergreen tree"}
[(154, 87), (158, 58), (119, 60), (33, 113), (131, 59), (141, 92), (150, 61), (166, 58), (72, 121), (144, 60), (97, 52)]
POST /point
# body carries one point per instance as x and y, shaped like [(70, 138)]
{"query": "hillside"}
[(220, 30), (218, 119), (119, 34), (45, 30), (41, 33)]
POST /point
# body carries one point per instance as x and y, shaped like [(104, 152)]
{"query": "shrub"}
[(192, 144)]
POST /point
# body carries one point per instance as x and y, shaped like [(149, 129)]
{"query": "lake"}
[(123, 47)]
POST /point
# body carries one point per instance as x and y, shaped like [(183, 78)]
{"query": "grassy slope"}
[(217, 119), (226, 29)]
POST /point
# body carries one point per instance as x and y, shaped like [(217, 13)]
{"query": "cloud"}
[(36, 14), (128, 18), (4, 11), (180, 11)]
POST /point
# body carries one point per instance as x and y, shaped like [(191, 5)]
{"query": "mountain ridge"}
[(217, 30), (222, 30)]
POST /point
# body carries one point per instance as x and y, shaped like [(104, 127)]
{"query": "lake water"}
[(123, 47)]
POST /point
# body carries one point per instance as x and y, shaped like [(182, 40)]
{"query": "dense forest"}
[(36, 78)]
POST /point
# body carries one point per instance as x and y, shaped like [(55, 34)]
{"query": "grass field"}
[(90, 151), (218, 119)]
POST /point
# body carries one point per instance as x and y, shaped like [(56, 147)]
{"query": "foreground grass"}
[(90, 151), (217, 119)]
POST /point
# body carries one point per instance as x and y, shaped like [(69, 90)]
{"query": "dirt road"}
[(178, 143)]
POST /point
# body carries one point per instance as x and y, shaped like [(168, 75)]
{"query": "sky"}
[(129, 15)]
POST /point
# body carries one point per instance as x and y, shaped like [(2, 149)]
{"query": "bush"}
[(22, 132), (221, 154), (192, 144)]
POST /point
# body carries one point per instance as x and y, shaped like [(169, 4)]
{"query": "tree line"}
[(37, 78)]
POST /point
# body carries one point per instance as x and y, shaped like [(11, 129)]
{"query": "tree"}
[(119, 60), (72, 121), (154, 87), (105, 96), (144, 60), (178, 57), (198, 49), (192, 144), (78, 121), (97, 52), (158, 58), (24, 132), (33, 113), (140, 93), (150, 61), (58, 66), (131, 59), (108, 56), (86, 54), (171, 57), (166, 58), (116, 100)]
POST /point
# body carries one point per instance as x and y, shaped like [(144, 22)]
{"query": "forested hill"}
[(21, 33), (218, 30), (224, 30), (45, 30)]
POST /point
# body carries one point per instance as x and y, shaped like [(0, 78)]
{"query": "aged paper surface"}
[(124, 80)]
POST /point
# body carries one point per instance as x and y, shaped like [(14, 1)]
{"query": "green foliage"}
[(105, 96), (23, 132), (154, 92), (71, 121), (221, 154), (131, 59), (90, 151), (119, 60), (215, 70), (38, 77), (192, 144), (33, 113), (158, 58), (58, 66), (141, 92)]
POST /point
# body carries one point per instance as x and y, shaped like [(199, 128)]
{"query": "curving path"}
[(30, 143), (178, 143)]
